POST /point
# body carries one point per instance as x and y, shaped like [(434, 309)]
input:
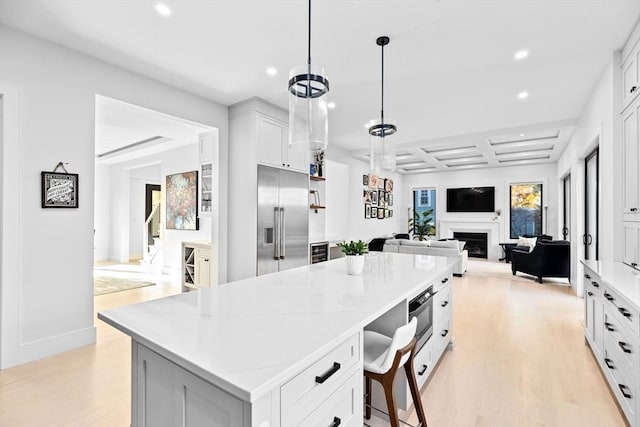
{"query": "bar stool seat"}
[(382, 358)]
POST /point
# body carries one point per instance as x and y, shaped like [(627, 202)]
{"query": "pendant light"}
[(308, 111), (382, 156)]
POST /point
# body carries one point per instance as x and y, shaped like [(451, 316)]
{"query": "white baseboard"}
[(39, 349)]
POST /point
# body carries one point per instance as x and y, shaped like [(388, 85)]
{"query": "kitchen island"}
[(276, 350)]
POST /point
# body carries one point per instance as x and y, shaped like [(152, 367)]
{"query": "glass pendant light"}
[(308, 111), (382, 156)]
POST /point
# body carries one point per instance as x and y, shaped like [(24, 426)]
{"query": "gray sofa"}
[(449, 248)]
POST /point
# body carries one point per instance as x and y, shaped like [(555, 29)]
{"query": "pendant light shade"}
[(308, 111), (382, 155)]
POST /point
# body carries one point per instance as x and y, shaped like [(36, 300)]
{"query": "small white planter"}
[(355, 264)]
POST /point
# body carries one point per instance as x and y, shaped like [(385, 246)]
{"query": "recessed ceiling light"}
[(163, 9), (272, 71), (521, 54), (523, 95), (331, 105), (522, 134)]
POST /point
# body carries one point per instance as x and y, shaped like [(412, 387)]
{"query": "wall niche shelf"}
[(317, 178)]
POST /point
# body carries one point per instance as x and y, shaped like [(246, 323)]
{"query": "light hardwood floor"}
[(519, 360)]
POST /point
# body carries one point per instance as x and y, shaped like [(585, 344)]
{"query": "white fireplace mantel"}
[(471, 225)]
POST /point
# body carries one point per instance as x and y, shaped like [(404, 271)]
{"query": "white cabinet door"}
[(631, 182), (168, 395), (203, 268), (272, 134), (295, 159), (630, 77), (631, 238)]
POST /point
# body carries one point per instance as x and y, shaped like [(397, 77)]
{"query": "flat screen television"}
[(475, 199)]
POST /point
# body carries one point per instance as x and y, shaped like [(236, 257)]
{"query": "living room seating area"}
[(549, 258)]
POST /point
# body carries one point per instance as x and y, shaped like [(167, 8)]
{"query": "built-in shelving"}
[(317, 178)]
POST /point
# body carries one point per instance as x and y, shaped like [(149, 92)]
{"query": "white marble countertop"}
[(620, 277), (249, 336)]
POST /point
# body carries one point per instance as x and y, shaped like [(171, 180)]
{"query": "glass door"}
[(591, 214), (566, 207)]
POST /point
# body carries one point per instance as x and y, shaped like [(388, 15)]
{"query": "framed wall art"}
[(380, 213), (367, 210), (182, 201), (365, 179), (374, 212), (59, 190)]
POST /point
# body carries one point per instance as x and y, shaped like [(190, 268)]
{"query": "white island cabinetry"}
[(240, 354), (612, 319)]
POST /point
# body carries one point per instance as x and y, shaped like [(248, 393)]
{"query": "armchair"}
[(549, 258)]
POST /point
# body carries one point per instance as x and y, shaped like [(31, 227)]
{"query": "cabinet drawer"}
[(441, 334), (624, 386), (422, 363), (621, 310), (441, 302), (620, 336), (343, 407), (302, 393), (592, 283)]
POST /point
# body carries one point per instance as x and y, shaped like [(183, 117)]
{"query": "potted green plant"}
[(421, 225), (354, 252)]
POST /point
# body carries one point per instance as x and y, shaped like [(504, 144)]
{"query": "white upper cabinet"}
[(273, 146), (631, 74), (630, 135), (631, 237)]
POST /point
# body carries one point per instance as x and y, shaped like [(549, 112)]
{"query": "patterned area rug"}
[(108, 284)]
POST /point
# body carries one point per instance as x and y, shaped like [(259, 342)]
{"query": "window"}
[(526, 209), (424, 205)]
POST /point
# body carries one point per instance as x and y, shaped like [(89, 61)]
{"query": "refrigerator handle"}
[(276, 232), (283, 238)]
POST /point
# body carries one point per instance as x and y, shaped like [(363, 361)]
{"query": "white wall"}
[(49, 309), (598, 125), (500, 178)]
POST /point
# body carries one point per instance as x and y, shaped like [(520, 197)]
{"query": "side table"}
[(507, 248)]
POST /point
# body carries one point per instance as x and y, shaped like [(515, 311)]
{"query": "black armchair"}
[(549, 258)]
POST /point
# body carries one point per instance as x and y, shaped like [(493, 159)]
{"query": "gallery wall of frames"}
[(377, 197)]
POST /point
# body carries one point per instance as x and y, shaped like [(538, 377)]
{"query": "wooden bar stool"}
[(382, 358)]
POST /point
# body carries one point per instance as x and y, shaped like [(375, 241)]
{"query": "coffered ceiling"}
[(451, 78)]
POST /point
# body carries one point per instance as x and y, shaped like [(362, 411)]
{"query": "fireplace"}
[(476, 243)]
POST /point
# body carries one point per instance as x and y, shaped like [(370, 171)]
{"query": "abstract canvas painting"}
[(182, 201)]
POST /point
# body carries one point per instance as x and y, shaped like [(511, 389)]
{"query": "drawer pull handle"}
[(624, 312), (586, 276), (445, 332), (609, 327), (445, 303), (624, 346), (336, 422), (595, 284), (633, 89), (634, 209), (329, 373), (423, 370), (608, 296), (622, 388), (634, 264), (445, 280), (590, 294), (609, 363)]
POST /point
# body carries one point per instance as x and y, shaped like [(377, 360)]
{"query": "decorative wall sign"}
[(182, 201), (59, 189)]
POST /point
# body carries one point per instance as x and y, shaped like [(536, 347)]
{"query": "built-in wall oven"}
[(421, 307)]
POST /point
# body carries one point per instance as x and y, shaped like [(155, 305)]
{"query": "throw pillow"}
[(529, 242)]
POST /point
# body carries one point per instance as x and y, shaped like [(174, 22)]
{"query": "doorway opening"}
[(566, 207)]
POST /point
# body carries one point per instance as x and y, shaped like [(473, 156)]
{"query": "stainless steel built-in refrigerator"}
[(283, 219)]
